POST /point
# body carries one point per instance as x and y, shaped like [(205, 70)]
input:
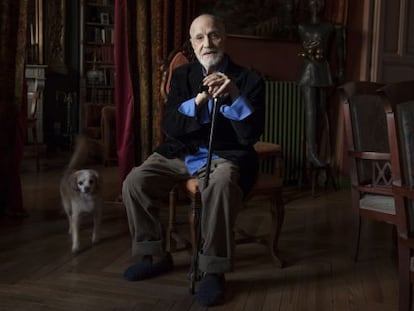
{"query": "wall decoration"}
[(256, 18), (55, 36), (269, 19)]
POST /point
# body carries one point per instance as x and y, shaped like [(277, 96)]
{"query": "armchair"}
[(100, 130)]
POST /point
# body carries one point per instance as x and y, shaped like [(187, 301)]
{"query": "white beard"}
[(212, 60)]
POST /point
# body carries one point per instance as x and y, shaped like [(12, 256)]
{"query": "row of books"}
[(99, 35), (101, 54)]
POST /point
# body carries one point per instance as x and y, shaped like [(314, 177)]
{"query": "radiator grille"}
[(284, 125)]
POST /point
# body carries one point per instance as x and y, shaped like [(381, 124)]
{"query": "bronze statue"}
[(315, 76)]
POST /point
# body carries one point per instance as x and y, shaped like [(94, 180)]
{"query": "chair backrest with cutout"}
[(399, 103), (366, 132)]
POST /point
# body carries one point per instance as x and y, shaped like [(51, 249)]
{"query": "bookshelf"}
[(96, 63)]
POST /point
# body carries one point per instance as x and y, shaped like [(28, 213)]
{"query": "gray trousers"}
[(147, 185)]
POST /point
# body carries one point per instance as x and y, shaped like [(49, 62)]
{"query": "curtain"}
[(145, 32), (336, 11), (13, 23)]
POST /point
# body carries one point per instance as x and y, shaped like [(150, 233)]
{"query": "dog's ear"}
[(73, 181)]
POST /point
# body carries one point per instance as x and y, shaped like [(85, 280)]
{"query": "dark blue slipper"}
[(147, 269), (211, 289)]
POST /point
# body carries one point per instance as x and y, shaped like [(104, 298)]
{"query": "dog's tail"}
[(80, 154)]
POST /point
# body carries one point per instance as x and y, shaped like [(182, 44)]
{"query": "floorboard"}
[(38, 271)]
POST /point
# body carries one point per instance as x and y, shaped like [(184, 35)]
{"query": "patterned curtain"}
[(145, 32), (13, 23)]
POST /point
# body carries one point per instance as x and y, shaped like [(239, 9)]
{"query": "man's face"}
[(207, 39)]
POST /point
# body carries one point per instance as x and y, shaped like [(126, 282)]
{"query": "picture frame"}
[(261, 19), (54, 37), (104, 18), (270, 19)]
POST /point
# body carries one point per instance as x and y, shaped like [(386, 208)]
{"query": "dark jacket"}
[(233, 139)]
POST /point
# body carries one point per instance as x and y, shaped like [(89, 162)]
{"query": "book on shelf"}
[(99, 54), (102, 35), (107, 35)]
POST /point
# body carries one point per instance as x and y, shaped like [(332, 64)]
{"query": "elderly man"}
[(187, 120)]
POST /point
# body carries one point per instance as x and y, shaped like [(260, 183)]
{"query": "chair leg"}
[(277, 210), (357, 238), (194, 219), (404, 276), (171, 244)]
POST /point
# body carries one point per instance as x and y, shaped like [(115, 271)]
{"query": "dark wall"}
[(277, 60), (356, 37)]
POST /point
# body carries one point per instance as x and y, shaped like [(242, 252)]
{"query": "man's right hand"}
[(201, 98)]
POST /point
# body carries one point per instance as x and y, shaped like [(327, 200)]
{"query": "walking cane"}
[(194, 272)]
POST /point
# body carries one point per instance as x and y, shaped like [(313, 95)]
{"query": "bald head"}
[(207, 36), (207, 19)]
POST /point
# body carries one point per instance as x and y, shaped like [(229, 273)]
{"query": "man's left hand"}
[(219, 85)]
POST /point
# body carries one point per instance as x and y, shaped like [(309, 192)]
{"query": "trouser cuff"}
[(147, 248), (213, 264)]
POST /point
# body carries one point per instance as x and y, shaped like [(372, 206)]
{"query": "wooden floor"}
[(38, 272)]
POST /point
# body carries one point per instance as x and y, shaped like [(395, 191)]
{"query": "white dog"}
[(80, 193)]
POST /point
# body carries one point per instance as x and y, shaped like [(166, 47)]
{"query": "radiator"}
[(284, 125)]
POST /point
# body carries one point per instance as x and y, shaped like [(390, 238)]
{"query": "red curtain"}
[(124, 96), (13, 16), (145, 32)]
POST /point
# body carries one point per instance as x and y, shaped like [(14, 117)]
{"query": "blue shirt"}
[(237, 111)]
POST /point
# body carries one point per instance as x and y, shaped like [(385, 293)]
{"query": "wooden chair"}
[(368, 152), (269, 183), (399, 105)]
